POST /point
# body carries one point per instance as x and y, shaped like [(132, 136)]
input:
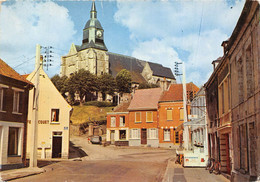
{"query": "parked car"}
[(96, 140)]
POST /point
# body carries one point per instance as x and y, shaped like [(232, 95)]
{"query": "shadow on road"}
[(76, 152)]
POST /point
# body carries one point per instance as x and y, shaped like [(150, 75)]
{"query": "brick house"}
[(171, 113), (14, 91), (143, 117), (118, 125)]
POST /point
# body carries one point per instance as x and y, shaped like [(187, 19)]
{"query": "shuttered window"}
[(181, 114), (169, 114), (135, 133), (137, 117), (152, 133), (149, 116), (113, 121)]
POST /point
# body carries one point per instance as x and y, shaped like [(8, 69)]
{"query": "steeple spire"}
[(93, 12)]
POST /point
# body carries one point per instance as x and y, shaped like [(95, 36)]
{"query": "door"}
[(227, 153), (112, 137), (143, 136), (56, 146)]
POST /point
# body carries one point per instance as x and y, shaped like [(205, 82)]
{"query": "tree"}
[(82, 82), (106, 84), (123, 81), (60, 83), (146, 85)]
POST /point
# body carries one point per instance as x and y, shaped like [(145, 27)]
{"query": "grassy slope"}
[(82, 114)]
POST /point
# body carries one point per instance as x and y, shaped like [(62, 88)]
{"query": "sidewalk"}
[(176, 173), (19, 173)]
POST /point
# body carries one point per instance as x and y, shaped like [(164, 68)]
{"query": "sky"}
[(163, 32)]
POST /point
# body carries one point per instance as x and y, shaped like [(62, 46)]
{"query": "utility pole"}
[(34, 131), (186, 127)]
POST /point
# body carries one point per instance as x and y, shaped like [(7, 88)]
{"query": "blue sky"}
[(157, 31)]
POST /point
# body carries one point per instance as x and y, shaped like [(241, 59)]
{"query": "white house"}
[(53, 119)]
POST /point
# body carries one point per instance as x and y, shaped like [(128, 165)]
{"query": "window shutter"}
[(130, 133), (156, 135), (148, 133), (139, 133)]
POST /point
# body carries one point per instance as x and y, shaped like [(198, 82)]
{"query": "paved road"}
[(108, 164)]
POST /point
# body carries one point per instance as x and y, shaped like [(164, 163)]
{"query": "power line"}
[(24, 62)]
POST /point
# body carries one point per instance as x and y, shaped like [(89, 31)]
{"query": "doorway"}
[(143, 136), (56, 145), (112, 137)]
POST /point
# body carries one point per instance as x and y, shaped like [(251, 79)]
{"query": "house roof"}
[(122, 107), (135, 66), (145, 99), (7, 71), (175, 92)]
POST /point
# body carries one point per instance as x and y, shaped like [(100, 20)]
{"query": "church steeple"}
[(93, 12), (93, 32)]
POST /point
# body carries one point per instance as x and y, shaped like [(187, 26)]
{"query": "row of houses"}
[(16, 113), (151, 118), (233, 100)]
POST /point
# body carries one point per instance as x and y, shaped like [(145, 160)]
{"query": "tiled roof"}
[(7, 71), (175, 92), (145, 99), (122, 107), (159, 70), (135, 66)]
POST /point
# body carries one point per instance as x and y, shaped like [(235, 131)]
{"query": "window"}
[(249, 71), (135, 133), (169, 114), (13, 141), (122, 134), (122, 121), (181, 114), (243, 147), (240, 75), (167, 135), (152, 133), (177, 137), (137, 117), (113, 121), (17, 101), (149, 116), (1, 98), (55, 115)]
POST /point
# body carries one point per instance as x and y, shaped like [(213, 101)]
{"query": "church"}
[(93, 55)]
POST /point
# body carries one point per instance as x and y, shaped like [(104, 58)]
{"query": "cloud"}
[(27, 23), (191, 31)]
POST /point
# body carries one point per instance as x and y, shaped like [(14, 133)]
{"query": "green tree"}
[(60, 83), (82, 82), (146, 85), (106, 84), (123, 81)]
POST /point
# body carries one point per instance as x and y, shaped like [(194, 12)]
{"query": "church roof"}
[(118, 62), (159, 70), (135, 66), (93, 23)]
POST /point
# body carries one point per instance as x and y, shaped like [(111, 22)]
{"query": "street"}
[(98, 163)]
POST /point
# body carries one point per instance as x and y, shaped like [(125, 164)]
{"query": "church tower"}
[(91, 55), (93, 33)]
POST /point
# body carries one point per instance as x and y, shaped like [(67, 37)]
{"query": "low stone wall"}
[(121, 143)]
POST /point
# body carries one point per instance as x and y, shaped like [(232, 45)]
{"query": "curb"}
[(166, 171), (19, 173)]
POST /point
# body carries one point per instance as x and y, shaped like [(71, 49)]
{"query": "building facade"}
[(118, 125), (143, 117), (14, 91), (171, 114), (243, 53), (93, 55), (53, 119)]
